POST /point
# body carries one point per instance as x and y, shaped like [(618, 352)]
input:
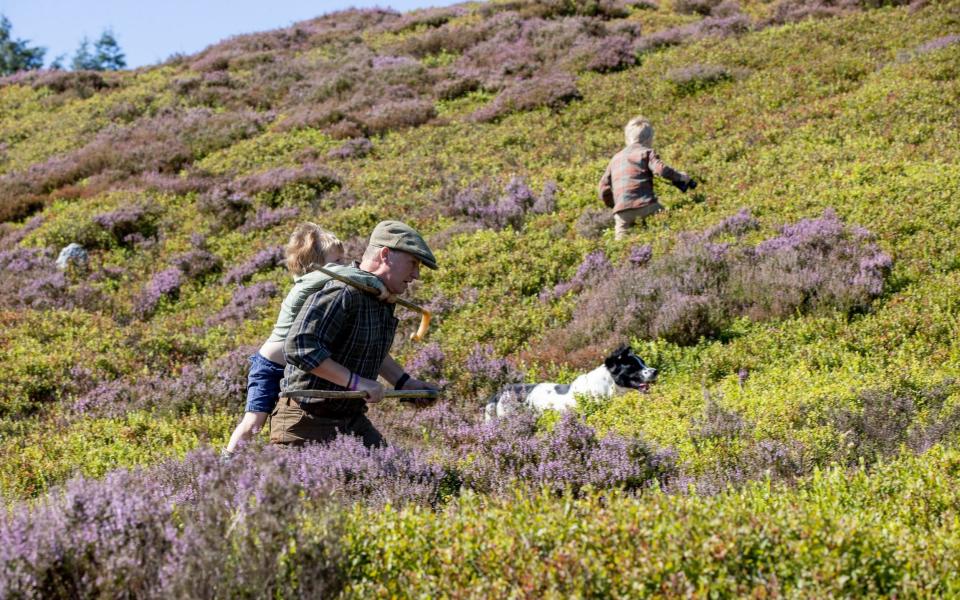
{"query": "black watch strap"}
[(401, 381)]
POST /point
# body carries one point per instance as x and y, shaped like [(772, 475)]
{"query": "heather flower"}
[(227, 208), (487, 371), (711, 26), (428, 364), (569, 457), (354, 148), (199, 527), (21, 260), (595, 266), (721, 26), (700, 7), (473, 201), (266, 259), (479, 202), (936, 44), (439, 305), (883, 420), (790, 11), (196, 263), (451, 89), (244, 303), (126, 221), (402, 114), (392, 62), (552, 90), (814, 263), (165, 284), (695, 77), (10, 237), (593, 222), (718, 422), (317, 178), (775, 458), (109, 397), (640, 255), (546, 203), (738, 225), (228, 373), (175, 183), (265, 218), (43, 290), (612, 53)]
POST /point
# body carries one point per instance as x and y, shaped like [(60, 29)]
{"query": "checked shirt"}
[(342, 323)]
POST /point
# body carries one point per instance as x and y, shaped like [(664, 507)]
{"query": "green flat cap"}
[(400, 236)]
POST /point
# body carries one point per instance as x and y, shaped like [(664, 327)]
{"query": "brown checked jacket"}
[(628, 181)]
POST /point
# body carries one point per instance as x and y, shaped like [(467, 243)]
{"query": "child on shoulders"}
[(309, 244)]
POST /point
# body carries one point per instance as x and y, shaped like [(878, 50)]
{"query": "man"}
[(627, 184), (341, 340)]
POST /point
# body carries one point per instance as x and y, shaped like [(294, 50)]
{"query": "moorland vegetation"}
[(802, 306)]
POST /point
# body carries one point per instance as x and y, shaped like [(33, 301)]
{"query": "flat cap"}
[(400, 236)]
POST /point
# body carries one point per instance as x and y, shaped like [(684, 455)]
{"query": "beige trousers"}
[(625, 219)]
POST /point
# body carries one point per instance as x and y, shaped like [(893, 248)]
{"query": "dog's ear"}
[(615, 356)]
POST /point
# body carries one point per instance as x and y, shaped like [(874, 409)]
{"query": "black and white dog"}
[(620, 372)]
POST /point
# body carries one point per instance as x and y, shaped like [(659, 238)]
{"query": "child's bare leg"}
[(249, 426)]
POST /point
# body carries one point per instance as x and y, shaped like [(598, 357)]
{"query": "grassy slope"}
[(827, 114)]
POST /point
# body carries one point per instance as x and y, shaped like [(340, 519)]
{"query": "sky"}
[(149, 32)]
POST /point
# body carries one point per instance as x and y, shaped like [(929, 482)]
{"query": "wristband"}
[(352, 382), (400, 381)]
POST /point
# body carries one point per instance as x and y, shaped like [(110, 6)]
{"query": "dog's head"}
[(628, 370)]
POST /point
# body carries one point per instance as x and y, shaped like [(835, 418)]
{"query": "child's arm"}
[(658, 167)]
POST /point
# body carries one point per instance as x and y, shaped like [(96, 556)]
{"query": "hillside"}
[(802, 305)]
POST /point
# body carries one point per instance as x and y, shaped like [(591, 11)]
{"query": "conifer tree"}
[(105, 56), (16, 55)]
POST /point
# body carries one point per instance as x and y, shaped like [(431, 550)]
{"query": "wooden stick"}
[(311, 396)]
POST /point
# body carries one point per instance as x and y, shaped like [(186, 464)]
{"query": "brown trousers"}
[(293, 426), (624, 220)]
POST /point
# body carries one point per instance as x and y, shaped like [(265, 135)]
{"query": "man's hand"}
[(416, 384), (374, 389)]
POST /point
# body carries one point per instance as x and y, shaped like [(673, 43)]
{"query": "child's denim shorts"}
[(263, 384)]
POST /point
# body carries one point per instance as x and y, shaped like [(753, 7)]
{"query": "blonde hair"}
[(309, 244), (638, 131)]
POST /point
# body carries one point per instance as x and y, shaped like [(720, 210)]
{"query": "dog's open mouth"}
[(643, 387)]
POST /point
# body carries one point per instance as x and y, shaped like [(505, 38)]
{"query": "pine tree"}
[(108, 53), (16, 55), (105, 56)]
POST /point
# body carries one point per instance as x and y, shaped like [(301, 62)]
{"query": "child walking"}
[(308, 245), (627, 184)]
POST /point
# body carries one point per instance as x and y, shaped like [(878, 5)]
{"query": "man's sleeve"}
[(658, 167), (606, 188), (316, 327)]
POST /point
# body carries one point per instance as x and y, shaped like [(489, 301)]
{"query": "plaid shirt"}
[(628, 181), (343, 323)]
